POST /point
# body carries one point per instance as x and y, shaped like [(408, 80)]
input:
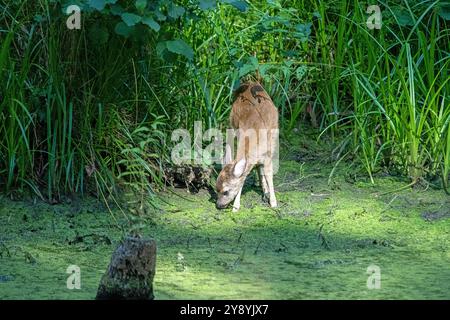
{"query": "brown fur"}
[(252, 109)]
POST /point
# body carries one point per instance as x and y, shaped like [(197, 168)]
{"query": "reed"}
[(80, 114)]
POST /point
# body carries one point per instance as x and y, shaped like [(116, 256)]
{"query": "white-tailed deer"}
[(255, 120)]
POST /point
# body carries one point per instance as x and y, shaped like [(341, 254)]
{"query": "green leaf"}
[(151, 23), (304, 28), (180, 47), (444, 11), (254, 61), (268, 21), (207, 4), (317, 15), (274, 4), (131, 19), (300, 72), (160, 48), (175, 11), (246, 69), (141, 5), (263, 69), (123, 30), (403, 17), (84, 6), (251, 66), (238, 4), (117, 9), (160, 16), (97, 4), (303, 31)]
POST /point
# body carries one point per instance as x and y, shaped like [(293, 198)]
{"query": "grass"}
[(81, 115), (317, 245), (83, 119)]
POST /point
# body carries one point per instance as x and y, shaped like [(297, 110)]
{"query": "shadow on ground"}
[(318, 244)]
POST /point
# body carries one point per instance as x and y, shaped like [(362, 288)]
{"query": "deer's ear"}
[(239, 168), (228, 158)]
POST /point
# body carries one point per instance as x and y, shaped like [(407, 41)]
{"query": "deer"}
[(254, 120)]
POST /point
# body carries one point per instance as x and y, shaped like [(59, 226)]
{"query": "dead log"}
[(131, 271)]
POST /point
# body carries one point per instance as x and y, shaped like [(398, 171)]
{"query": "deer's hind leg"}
[(268, 172), (263, 181)]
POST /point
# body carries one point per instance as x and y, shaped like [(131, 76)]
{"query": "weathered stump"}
[(131, 271)]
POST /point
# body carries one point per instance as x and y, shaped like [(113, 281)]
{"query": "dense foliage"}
[(92, 110)]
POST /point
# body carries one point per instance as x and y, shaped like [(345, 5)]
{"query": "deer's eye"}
[(225, 193)]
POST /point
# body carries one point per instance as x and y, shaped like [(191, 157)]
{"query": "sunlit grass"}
[(71, 105)]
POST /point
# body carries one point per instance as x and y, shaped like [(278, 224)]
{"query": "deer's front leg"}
[(237, 201)]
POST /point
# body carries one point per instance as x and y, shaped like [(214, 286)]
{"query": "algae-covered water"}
[(318, 244)]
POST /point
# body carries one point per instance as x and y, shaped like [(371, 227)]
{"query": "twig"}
[(257, 247)]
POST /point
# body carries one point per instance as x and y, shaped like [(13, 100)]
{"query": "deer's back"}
[(253, 108)]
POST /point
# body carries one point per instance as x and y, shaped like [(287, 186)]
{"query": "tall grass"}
[(82, 115), (401, 94), (69, 121)]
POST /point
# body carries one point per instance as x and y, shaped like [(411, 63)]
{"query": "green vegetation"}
[(86, 118), (91, 110), (317, 245)]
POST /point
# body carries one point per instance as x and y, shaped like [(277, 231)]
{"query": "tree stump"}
[(131, 271)]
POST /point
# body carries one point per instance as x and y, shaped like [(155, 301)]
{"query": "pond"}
[(338, 238)]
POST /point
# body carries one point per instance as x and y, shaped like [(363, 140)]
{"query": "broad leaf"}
[(123, 30), (403, 17), (131, 19), (97, 4), (180, 47), (238, 4), (175, 11), (303, 31), (251, 66), (160, 16), (274, 4), (81, 4), (151, 23), (207, 4), (160, 48), (117, 10), (141, 5), (444, 11), (246, 69)]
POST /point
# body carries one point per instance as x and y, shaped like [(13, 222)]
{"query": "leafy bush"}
[(91, 110)]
